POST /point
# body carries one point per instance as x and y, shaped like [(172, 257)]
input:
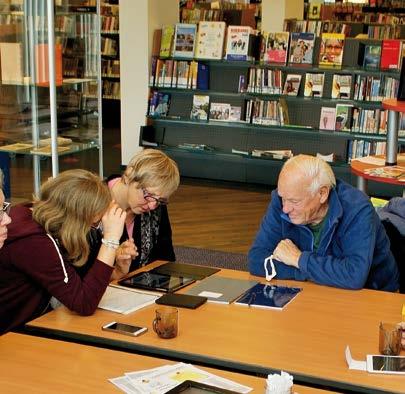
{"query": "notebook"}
[(220, 289), (268, 296), (188, 270)]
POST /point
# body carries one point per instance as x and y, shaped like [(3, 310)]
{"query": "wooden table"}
[(306, 339), (358, 168), (40, 365)]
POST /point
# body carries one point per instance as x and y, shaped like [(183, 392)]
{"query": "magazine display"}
[(331, 51), (372, 54), (292, 84), (328, 118), (199, 111), (343, 112), (341, 86), (237, 43), (184, 40), (210, 40), (313, 84), (276, 47), (166, 43), (220, 111), (301, 48)]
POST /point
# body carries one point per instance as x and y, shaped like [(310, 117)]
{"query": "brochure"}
[(268, 296)]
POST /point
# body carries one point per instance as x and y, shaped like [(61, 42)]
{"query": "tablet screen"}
[(157, 282), (389, 364)]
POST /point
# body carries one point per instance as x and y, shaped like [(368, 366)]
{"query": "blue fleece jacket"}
[(354, 250)]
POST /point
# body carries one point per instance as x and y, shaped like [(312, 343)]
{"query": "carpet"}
[(211, 258)]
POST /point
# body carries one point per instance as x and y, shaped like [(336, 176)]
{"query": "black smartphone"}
[(126, 329), (181, 300)]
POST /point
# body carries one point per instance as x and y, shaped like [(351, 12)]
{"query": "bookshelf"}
[(222, 150), (50, 104)]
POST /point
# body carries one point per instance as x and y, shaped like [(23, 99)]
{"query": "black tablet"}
[(181, 300), (156, 282)]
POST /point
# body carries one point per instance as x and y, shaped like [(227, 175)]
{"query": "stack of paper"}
[(125, 301), (162, 379)]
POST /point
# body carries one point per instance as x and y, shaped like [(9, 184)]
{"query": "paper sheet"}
[(354, 364)]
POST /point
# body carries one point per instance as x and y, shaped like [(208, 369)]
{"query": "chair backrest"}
[(398, 250)]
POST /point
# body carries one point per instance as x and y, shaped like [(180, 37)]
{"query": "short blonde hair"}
[(314, 168), (67, 206), (153, 168)]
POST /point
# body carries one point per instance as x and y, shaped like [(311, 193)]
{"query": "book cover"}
[(220, 111), (372, 54), (314, 84), (166, 42), (210, 40), (392, 172), (342, 120), (235, 114), (237, 42), (42, 64), (314, 11), (292, 84), (203, 75), (302, 48), (11, 62), (390, 54), (327, 119), (220, 289), (331, 49), (199, 110), (341, 86), (276, 47), (184, 40), (268, 296)]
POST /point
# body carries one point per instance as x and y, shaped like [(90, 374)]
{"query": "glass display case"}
[(50, 87)]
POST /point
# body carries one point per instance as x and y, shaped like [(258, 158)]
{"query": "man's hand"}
[(287, 253), (126, 252)]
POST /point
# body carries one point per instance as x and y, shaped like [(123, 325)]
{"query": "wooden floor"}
[(203, 214)]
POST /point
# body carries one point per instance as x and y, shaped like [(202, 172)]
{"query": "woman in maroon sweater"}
[(46, 241)]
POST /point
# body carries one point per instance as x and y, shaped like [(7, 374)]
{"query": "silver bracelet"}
[(110, 243)]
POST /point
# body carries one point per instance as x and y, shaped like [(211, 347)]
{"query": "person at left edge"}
[(47, 241)]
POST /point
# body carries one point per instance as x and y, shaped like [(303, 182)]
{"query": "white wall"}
[(138, 19), (275, 11)]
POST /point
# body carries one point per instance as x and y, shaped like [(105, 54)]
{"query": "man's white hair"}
[(317, 170)]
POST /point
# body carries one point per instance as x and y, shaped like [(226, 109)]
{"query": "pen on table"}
[(252, 298)]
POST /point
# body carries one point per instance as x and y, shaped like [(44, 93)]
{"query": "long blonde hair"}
[(67, 206)]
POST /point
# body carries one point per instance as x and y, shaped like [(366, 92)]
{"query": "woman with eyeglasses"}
[(5, 219), (143, 192), (48, 240)]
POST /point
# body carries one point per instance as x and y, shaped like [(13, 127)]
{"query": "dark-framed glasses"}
[(151, 198), (5, 209)]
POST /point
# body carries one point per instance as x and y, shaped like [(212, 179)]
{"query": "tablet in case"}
[(196, 272), (181, 300), (156, 282)]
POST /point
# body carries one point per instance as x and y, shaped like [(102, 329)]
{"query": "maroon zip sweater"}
[(31, 272)]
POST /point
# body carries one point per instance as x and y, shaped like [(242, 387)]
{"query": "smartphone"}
[(386, 364), (125, 329)]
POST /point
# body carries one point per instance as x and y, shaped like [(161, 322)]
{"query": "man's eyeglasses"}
[(151, 198), (5, 209)]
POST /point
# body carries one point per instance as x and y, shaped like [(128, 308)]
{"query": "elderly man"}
[(322, 230)]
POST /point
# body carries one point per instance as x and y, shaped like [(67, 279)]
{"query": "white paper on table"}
[(354, 364), (124, 301), (378, 161), (124, 384), (162, 380)]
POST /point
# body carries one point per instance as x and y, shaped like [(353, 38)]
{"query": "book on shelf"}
[(372, 55), (331, 49), (276, 47), (183, 71), (195, 147), (301, 48), (330, 158), (220, 289), (239, 43), (390, 54), (210, 40), (159, 103), (273, 154), (264, 295), (343, 117), (314, 84), (220, 111), (314, 10), (292, 84), (12, 64), (166, 43), (185, 37), (199, 110), (42, 64), (235, 113), (203, 75), (156, 42), (328, 118), (341, 86)]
